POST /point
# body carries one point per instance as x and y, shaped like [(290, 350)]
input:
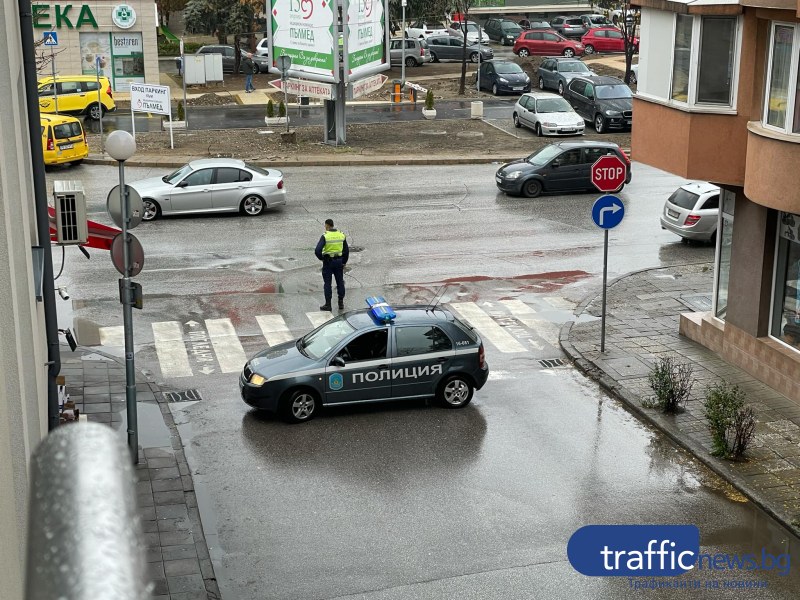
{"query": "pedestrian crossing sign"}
[(51, 38)]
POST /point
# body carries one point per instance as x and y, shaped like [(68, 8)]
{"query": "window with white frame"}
[(782, 97), (704, 60)]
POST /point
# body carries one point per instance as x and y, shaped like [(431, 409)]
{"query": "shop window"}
[(723, 255), (782, 105), (786, 296), (704, 60)]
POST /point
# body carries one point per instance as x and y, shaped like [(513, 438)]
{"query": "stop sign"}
[(609, 173)]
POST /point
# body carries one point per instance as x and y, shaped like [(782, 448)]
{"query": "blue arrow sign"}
[(50, 38), (607, 211)]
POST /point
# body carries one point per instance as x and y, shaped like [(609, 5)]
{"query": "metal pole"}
[(183, 80), (53, 69), (127, 322), (403, 61), (99, 103), (603, 309), (480, 57), (285, 100)]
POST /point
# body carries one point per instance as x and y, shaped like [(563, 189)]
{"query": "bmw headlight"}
[(256, 379), (514, 175), (502, 80), (612, 113)]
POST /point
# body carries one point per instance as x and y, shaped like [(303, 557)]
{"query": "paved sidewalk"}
[(177, 556), (643, 310)]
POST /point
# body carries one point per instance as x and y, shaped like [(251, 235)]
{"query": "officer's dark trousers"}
[(333, 267)]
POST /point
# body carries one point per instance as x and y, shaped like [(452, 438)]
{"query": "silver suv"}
[(416, 53)]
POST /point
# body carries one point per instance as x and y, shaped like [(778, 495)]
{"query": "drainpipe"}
[(40, 202)]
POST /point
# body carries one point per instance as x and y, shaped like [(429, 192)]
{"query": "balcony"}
[(771, 168)]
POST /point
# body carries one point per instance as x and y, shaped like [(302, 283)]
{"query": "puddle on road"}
[(153, 432)]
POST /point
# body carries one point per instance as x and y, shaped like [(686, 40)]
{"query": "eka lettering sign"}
[(150, 98), (366, 37), (304, 30), (62, 16)]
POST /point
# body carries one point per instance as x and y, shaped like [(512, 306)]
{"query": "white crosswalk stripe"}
[(227, 347), (486, 326), (274, 329), (559, 303), (171, 351), (526, 315), (112, 336), (319, 317)]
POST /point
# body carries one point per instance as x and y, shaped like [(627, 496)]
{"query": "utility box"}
[(195, 69), (213, 67), (70, 204)]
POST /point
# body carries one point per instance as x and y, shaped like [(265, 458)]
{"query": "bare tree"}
[(462, 7), (629, 25), (44, 56)]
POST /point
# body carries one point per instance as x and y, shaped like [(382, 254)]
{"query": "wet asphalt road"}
[(409, 500)]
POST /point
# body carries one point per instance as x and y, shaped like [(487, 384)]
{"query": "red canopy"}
[(100, 236)]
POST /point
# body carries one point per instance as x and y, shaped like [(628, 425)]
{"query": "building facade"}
[(719, 100), (117, 38)]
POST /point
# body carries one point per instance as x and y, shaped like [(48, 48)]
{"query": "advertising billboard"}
[(366, 38), (306, 31)]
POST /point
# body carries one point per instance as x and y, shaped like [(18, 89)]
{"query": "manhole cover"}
[(549, 363), (184, 396), (469, 134)]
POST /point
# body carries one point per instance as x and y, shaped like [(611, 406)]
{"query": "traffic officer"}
[(332, 250)]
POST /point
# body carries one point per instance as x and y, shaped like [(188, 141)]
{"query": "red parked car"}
[(606, 39), (545, 43)]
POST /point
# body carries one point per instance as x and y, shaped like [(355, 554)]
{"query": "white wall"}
[(23, 375)]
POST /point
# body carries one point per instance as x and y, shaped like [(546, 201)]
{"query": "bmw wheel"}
[(96, 111), (299, 407), (455, 392), (532, 188), (252, 205), (517, 123), (600, 124), (569, 52), (151, 209), (523, 53)]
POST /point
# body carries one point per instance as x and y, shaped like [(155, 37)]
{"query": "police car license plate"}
[(66, 146)]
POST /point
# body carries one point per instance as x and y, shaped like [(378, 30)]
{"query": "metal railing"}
[(84, 533)]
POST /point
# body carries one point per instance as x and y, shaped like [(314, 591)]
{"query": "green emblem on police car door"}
[(336, 381)]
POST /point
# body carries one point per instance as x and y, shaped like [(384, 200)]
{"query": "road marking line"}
[(319, 317), (112, 336), (172, 355), (500, 338), (526, 315), (229, 351), (274, 329)]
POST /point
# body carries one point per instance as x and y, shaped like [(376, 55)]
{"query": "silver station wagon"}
[(212, 185)]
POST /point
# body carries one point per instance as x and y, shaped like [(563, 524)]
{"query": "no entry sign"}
[(609, 173)]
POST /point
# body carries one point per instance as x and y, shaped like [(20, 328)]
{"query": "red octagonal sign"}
[(609, 173)]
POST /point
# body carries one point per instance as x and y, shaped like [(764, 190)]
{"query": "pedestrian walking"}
[(248, 82), (332, 250)]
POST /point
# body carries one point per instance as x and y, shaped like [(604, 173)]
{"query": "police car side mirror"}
[(337, 361)]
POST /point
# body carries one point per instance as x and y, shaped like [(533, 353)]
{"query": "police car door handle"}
[(441, 359), (383, 367)]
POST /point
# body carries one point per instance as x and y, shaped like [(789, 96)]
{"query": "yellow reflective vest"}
[(334, 243)]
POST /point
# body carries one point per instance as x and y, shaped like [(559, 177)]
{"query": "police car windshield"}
[(320, 341)]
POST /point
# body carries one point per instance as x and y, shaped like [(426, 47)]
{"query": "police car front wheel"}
[(455, 392), (300, 406)]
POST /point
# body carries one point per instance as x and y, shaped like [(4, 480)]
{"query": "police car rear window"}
[(467, 329)]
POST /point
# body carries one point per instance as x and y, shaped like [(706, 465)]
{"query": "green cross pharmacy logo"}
[(123, 16)]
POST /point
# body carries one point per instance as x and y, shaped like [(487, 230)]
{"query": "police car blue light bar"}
[(380, 309)]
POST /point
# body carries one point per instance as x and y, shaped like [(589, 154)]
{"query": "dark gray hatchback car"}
[(561, 167), (358, 358), (607, 102)]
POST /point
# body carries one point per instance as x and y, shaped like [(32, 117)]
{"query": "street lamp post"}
[(403, 43), (121, 146)]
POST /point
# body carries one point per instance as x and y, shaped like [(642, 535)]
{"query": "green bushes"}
[(672, 383), (429, 100), (181, 112), (167, 48), (281, 109), (270, 109), (730, 422)]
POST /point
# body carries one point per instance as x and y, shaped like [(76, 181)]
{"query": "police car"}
[(369, 355)]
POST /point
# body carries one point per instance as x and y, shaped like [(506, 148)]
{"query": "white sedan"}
[(547, 114), (212, 185)]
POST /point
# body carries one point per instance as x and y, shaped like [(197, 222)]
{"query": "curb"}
[(662, 423)]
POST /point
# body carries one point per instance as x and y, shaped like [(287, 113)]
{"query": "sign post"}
[(284, 64), (99, 101), (608, 175), (183, 80), (51, 40), (152, 99)]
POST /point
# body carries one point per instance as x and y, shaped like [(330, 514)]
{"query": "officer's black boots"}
[(341, 303), (325, 307)]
